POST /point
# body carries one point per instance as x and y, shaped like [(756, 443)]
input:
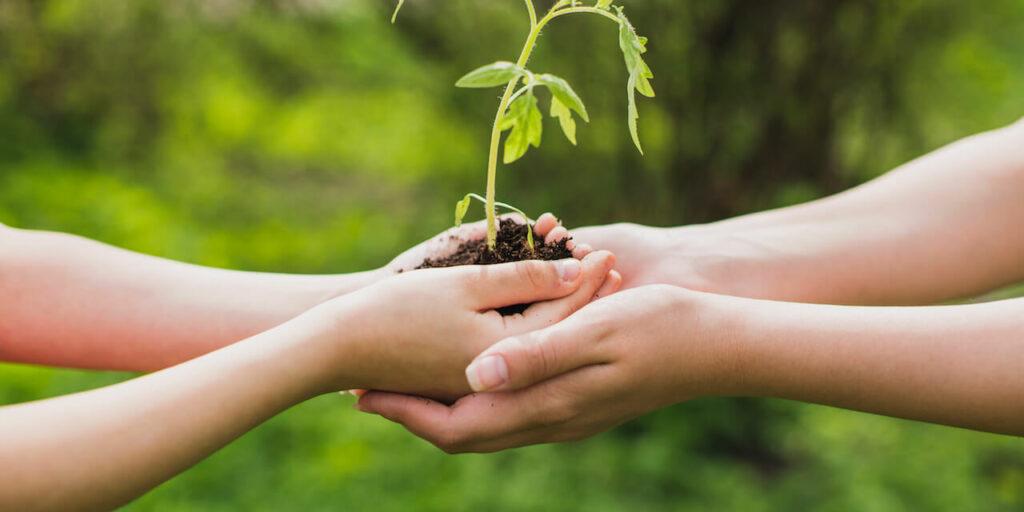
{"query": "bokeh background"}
[(313, 136)]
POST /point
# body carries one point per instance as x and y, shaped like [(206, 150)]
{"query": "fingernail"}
[(568, 270), (487, 373)]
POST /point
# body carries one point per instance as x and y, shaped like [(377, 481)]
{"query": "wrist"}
[(722, 334), (326, 337), (763, 336)]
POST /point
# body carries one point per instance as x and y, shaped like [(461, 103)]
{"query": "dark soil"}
[(511, 247)]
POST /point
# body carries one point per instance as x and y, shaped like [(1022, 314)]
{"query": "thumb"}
[(522, 282), (522, 361)]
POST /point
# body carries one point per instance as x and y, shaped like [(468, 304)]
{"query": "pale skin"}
[(901, 239), (109, 445), (73, 302), (941, 227)]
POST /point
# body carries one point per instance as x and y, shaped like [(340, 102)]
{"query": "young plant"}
[(519, 111)]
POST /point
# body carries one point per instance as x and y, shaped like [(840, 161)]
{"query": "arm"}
[(69, 301), (107, 446), (944, 226), (654, 346), (954, 365)]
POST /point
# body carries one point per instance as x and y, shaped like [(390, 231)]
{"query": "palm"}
[(445, 243)]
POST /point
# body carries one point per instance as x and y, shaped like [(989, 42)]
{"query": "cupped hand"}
[(416, 332), (445, 244), (613, 360)]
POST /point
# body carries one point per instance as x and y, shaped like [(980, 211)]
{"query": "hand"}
[(613, 360), (648, 255), (714, 258), (415, 333), (444, 244)]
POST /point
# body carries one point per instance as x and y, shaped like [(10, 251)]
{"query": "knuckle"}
[(473, 276), (564, 411), (598, 327), (557, 408), (534, 272), (541, 355)]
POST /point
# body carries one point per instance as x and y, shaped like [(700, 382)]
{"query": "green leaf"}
[(604, 4), (633, 115), (568, 124), (526, 122), (535, 128), (643, 85), (394, 16), (517, 110), (461, 208), (565, 94), (491, 75), (633, 47)]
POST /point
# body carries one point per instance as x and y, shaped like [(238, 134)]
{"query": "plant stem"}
[(575, 10), (524, 57), (533, 13)]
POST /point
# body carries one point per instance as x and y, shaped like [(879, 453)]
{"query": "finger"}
[(611, 284), (545, 223), (523, 282), (452, 429), (581, 251), (596, 267), (488, 422), (560, 409), (421, 416), (440, 246), (556, 235), (522, 361), (532, 437)]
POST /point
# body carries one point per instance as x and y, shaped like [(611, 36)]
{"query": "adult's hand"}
[(651, 346), (417, 331), (615, 359), (682, 256), (882, 243)]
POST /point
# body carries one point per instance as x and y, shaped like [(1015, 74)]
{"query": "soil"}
[(511, 247)]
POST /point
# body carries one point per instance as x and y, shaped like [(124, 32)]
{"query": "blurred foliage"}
[(313, 136)]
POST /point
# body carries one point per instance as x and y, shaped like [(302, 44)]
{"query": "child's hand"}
[(444, 244), (416, 332)]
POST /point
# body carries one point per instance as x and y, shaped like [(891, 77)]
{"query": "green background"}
[(312, 136)]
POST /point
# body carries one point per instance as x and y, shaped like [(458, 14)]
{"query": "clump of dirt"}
[(511, 246)]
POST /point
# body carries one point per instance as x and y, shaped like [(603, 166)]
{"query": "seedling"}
[(519, 111)]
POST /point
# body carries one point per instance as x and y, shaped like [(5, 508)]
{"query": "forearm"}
[(99, 449), (941, 227), (68, 301), (956, 365)]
